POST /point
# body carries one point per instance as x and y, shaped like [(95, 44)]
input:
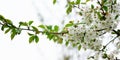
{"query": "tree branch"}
[(33, 30), (108, 43)]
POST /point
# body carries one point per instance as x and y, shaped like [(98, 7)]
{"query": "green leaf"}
[(54, 1), (30, 34), (83, 3), (113, 33), (31, 39), (105, 8), (67, 42), (1, 17), (78, 1), (56, 28), (69, 9), (92, 6), (36, 39), (42, 26), (69, 25), (74, 44), (60, 40), (49, 27), (71, 3), (87, 0), (79, 47), (115, 2), (104, 55), (16, 30), (30, 22), (55, 38), (13, 35), (7, 30), (50, 36), (103, 2), (2, 28), (23, 23), (103, 18), (80, 13), (35, 29), (8, 21), (99, 15), (116, 16)]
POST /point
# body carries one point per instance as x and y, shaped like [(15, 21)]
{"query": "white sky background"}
[(19, 48), (23, 10)]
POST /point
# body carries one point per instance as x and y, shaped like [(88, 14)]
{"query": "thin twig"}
[(34, 30), (108, 43), (101, 7), (111, 41)]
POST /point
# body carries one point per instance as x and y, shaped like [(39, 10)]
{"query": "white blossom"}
[(88, 34)]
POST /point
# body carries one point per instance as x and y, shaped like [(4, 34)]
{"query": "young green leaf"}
[(13, 35), (50, 36), (83, 3), (116, 16), (30, 22), (31, 39), (2, 28), (69, 9), (74, 45), (42, 26), (36, 39), (105, 8), (113, 33), (71, 3), (49, 27), (1, 17), (7, 30), (8, 21), (60, 40), (79, 47), (67, 42), (69, 25), (99, 15), (35, 29), (54, 1), (56, 28), (80, 13), (115, 2), (87, 0), (104, 55), (92, 6), (103, 2), (30, 34), (23, 23), (78, 1)]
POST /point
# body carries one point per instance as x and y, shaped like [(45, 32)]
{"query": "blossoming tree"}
[(97, 18)]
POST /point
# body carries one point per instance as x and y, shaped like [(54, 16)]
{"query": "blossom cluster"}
[(95, 22)]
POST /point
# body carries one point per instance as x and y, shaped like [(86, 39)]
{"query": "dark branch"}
[(108, 43)]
